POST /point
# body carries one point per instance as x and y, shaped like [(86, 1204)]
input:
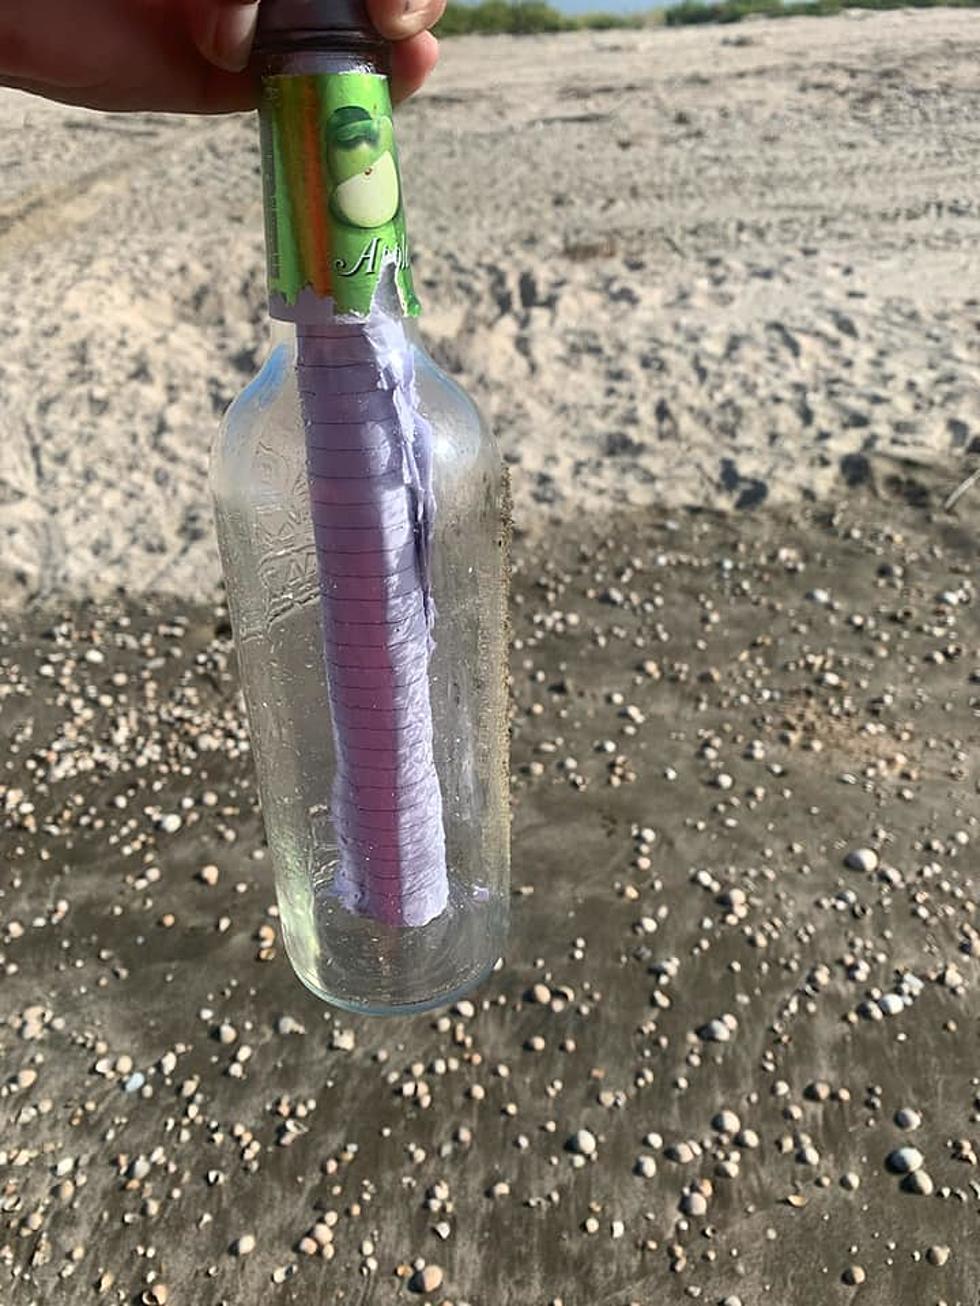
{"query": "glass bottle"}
[(362, 517)]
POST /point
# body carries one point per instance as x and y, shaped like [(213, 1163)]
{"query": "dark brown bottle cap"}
[(298, 19)]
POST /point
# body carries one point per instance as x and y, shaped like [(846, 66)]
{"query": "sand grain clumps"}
[(710, 343)]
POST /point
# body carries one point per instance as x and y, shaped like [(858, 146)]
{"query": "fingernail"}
[(234, 32)]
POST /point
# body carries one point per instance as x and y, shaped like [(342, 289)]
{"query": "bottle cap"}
[(279, 19)]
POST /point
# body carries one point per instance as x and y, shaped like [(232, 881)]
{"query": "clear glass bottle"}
[(362, 516)]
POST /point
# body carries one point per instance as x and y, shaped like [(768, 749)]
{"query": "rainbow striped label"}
[(333, 197)]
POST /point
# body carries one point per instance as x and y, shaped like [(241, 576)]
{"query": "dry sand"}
[(711, 267), (681, 834)]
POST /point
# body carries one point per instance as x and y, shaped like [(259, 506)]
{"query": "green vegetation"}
[(733, 11), (526, 17), (523, 18)]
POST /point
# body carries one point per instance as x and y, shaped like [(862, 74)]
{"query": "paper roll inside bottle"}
[(368, 465)]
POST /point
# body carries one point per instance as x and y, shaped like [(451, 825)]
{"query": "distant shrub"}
[(689, 12), (527, 17), (523, 18), (491, 17)]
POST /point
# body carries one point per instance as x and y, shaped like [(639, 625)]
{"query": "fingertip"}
[(411, 63), (398, 20), (224, 30)]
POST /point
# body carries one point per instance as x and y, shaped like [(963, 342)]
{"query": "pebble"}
[(905, 1160), (583, 1142), (937, 1254), (891, 1004), (428, 1279), (918, 1183), (244, 1245), (645, 1167), (907, 1118), (862, 859), (139, 1168), (682, 1153), (694, 1204), (726, 1122), (715, 1031), (208, 875), (541, 994), (854, 1275)]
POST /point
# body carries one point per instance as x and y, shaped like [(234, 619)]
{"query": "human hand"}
[(188, 56)]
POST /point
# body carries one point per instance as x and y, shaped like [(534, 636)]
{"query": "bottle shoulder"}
[(267, 412), (258, 407)]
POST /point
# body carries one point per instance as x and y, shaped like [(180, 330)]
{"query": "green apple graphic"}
[(361, 161)]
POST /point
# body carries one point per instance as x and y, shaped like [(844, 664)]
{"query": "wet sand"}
[(711, 715)]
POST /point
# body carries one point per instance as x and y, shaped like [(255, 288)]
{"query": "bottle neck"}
[(334, 215), (321, 55)]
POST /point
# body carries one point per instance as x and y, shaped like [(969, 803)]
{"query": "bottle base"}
[(362, 965), (398, 1009)]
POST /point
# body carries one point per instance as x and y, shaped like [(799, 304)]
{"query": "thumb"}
[(223, 30)]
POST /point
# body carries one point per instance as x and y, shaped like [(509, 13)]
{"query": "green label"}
[(333, 195)]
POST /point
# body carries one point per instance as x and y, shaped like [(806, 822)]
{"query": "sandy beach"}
[(744, 957), (718, 291), (711, 268)]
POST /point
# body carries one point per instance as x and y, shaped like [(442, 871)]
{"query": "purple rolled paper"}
[(369, 471)]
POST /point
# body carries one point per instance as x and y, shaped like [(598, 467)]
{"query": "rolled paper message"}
[(369, 470)]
